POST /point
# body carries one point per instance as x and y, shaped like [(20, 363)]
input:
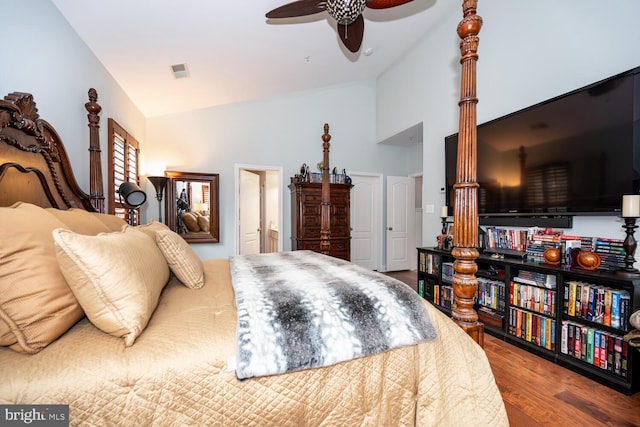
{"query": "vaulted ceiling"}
[(232, 52)]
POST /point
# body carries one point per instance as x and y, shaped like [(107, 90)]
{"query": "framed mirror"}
[(191, 206)]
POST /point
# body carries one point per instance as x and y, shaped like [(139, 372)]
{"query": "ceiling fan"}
[(347, 13)]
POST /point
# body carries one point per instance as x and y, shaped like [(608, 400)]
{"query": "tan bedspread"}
[(176, 374)]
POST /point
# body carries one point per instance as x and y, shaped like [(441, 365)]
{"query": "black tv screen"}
[(576, 154)]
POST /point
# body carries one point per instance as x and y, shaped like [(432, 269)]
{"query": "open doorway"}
[(258, 209)]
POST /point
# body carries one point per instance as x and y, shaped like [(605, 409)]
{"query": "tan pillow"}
[(113, 223), (116, 277), (191, 221), (203, 222), (182, 260), (151, 228), (80, 221), (36, 304)]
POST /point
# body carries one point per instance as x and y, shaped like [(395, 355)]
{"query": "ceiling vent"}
[(180, 71)]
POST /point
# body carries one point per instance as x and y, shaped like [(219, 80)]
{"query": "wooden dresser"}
[(306, 201)]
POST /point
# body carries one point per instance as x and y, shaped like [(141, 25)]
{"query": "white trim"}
[(419, 218)]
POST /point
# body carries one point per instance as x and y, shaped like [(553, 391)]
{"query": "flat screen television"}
[(575, 154)]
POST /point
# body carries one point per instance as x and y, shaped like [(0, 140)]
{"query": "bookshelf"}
[(533, 301), (572, 317)]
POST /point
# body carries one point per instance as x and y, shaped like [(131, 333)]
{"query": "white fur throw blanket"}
[(302, 309)]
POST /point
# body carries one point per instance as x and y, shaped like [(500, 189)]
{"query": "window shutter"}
[(124, 153)]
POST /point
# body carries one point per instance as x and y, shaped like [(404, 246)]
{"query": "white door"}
[(400, 223), (366, 211), (249, 213)]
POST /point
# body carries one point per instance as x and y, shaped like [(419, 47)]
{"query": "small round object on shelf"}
[(551, 256), (588, 260)]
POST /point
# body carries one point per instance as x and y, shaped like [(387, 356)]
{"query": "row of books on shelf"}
[(504, 238), (598, 348), (536, 279), (540, 242), (610, 251), (447, 271), (443, 296), (428, 263), (534, 241), (540, 300), (421, 288), (534, 328), (598, 304), (491, 293)]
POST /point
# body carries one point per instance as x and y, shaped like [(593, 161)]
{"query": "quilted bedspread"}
[(176, 374)]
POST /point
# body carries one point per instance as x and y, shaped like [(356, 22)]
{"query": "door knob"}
[(390, 228)]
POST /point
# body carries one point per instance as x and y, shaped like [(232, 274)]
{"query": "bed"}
[(167, 355)]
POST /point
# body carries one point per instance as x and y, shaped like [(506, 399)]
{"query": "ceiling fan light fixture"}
[(345, 12)]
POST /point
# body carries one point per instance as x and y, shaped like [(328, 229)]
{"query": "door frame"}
[(236, 174), (419, 215), (379, 185)]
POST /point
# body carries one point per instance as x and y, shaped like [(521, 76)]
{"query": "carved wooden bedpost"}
[(325, 212), (96, 191), (465, 217)]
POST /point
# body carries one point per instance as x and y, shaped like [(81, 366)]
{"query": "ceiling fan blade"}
[(298, 8), (351, 35), (385, 4)]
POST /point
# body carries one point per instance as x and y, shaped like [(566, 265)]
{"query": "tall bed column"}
[(325, 209), (465, 217), (96, 189)]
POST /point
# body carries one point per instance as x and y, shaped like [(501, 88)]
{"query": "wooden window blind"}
[(124, 156)]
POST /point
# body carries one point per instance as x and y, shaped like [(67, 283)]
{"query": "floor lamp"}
[(159, 183)]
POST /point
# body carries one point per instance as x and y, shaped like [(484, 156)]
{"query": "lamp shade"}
[(159, 183), (132, 194)]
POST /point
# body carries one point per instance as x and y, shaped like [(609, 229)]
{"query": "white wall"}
[(529, 52), (43, 55), (282, 131)]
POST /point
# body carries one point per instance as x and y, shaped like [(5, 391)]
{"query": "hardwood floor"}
[(537, 392)]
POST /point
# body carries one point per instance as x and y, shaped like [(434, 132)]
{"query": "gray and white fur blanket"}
[(302, 309)]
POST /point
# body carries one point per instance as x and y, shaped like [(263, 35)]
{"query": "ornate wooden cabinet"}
[(306, 202)]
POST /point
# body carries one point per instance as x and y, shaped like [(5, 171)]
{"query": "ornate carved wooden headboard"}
[(34, 166)]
